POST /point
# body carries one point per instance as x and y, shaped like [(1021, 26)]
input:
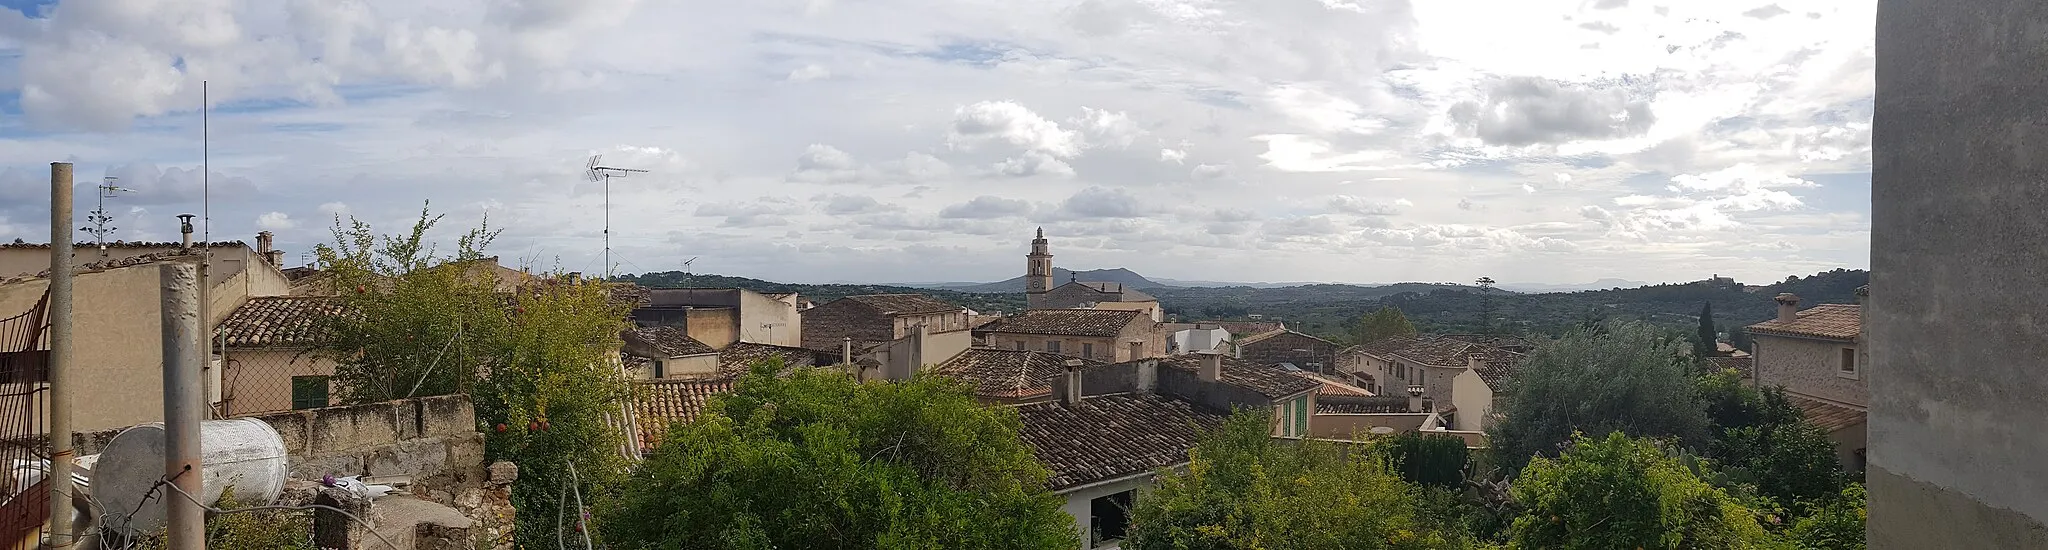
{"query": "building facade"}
[(1818, 356), (1096, 335)]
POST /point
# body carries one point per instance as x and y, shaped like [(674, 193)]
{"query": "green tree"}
[(1243, 489), (1834, 525), (1618, 492), (1628, 377), (538, 362), (810, 458), (1759, 437), (1706, 343), (1434, 460), (1381, 324)]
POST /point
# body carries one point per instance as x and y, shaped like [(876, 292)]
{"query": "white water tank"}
[(244, 453)]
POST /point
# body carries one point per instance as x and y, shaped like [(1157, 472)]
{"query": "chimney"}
[(1212, 367), (1071, 394), (1472, 361), (185, 230), (1862, 295), (1414, 398), (266, 248), (1788, 307)]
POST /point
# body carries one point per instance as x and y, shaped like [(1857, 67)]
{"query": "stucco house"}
[(664, 352), (1818, 356), (268, 362), (1459, 375), (1111, 428), (719, 317), (889, 335), (1100, 335)]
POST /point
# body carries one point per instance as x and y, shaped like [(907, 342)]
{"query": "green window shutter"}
[(1301, 416), (309, 392)]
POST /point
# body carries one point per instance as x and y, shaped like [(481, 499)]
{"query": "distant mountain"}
[(1217, 284), (1059, 277), (825, 292), (1602, 284)]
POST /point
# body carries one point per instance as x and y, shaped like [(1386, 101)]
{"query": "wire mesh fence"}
[(266, 380), (24, 427)]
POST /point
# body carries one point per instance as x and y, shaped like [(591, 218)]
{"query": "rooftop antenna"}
[(686, 264), (597, 173), (99, 218)]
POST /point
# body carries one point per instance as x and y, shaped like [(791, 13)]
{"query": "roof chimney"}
[(1472, 361), (185, 230), (1788, 307), (265, 242), (1414, 398), (1212, 367), (1862, 295), (1071, 394)]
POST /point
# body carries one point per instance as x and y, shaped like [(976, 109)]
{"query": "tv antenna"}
[(99, 217), (686, 264), (600, 173)]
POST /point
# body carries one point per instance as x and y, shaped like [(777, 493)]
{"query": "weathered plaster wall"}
[(1809, 367), (1474, 400), (260, 380), (119, 352), (1954, 317)]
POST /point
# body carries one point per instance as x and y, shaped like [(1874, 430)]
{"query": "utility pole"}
[(184, 394), (59, 480)]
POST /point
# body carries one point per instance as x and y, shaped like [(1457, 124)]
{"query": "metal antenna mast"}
[(597, 173), (99, 217)]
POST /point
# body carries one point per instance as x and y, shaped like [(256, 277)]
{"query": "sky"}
[(1363, 141)]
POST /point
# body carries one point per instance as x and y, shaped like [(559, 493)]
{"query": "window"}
[(1848, 367), (1109, 518), (659, 368), (1020, 345), (309, 392), (1087, 349), (1052, 346)]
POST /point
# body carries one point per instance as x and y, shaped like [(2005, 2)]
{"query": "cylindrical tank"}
[(242, 454)]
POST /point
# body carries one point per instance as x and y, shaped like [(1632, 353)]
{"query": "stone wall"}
[(1809, 367), (432, 440)]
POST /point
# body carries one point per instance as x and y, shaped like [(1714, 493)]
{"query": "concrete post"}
[(184, 404), (59, 479)]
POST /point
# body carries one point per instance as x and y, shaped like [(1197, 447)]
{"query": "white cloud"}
[(929, 139), (275, 221)]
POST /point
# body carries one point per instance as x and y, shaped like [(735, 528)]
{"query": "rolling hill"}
[(1060, 277)]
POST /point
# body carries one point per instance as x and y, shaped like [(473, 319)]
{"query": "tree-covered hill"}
[(824, 293)]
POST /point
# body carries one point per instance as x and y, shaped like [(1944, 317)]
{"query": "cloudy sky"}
[(908, 140)]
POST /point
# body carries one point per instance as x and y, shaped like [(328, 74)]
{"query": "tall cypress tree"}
[(1704, 345)]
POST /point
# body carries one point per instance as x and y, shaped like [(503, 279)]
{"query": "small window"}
[(1052, 346), (1087, 349), (1020, 345), (1109, 518), (309, 392), (1848, 367), (660, 369)]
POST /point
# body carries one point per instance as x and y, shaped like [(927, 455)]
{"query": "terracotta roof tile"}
[(272, 321), (905, 304), (1497, 365), (661, 403), (1007, 374), (1332, 386), (1831, 321), (1065, 322), (738, 357), (1270, 381), (670, 341), (1246, 328), (1442, 352), (1827, 416), (1111, 436)]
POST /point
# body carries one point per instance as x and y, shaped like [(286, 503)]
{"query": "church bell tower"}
[(1037, 272)]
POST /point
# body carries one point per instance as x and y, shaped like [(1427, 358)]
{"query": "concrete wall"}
[(1344, 426), (119, 352), (765, 320), (715, 327), (260, 380), (1808, 366), (1957, 349), (1474, 400), (687, 366)]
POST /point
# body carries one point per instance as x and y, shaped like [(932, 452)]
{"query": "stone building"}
[(1093, 334), (1076, 294), (1287, 346), (891, 335), (1818, 356), (718, 317)]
